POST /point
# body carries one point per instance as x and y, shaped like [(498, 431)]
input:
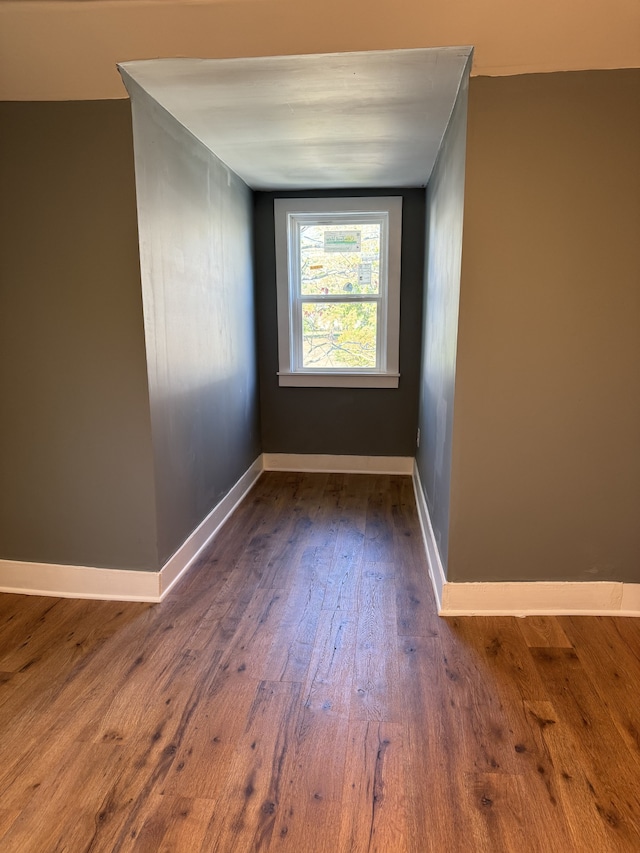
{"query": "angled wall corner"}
[(443, 257), (195, 227)]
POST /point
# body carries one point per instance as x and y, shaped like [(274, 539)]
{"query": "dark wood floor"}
[(297, 692)]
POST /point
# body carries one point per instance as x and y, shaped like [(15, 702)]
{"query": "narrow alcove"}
[(215, 142)]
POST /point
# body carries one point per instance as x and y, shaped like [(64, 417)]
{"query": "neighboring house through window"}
[(338, 282)]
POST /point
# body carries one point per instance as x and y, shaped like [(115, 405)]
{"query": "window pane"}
[(339, 334), (337, 259)]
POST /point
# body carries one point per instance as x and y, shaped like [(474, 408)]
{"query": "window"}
[(338, 281)]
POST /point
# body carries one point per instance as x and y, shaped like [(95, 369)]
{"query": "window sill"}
[(338, 380)]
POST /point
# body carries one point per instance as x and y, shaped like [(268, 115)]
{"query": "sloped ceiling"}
[(367, 119)]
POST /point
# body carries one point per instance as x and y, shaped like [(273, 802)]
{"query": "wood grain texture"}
[(297, 692), (374, 807), (247, 803), (541, 631), (308, 817)]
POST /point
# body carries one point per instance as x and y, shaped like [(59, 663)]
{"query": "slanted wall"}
[(445, 208), (195, 223)]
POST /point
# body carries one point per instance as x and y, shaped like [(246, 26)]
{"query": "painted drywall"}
[(76, 469), (56, 49), (272, 119), (195, 221), (545, 441), (361, 421), (444, 219), (546, 444)]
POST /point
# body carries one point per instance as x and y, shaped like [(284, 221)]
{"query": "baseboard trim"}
[(63, 581), (510, 598), (630, 603), (334, 464), (541, 598), (122, 584), (180, 562), (520, 598), (436, 571)]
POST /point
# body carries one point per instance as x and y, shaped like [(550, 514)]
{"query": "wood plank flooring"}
[(298, 692)]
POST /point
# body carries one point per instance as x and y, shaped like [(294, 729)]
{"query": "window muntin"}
[(338, 274)]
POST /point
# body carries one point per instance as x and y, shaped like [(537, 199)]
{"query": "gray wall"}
[(545, 479), (375, 422), (445, 208), (195, 221), (76, 468), (546, 445)]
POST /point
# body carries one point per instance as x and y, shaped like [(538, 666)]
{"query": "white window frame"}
[(289, 214)]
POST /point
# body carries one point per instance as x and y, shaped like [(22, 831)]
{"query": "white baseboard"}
[(512, 598), (521, 598), (78, 581), (630, 604), (178, 564), (310, 462), (541, 598), (123, 584), (436, 571)]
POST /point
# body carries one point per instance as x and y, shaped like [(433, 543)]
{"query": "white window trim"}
[(389, 340)]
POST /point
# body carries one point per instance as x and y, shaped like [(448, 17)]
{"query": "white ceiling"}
[(369, 119)]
